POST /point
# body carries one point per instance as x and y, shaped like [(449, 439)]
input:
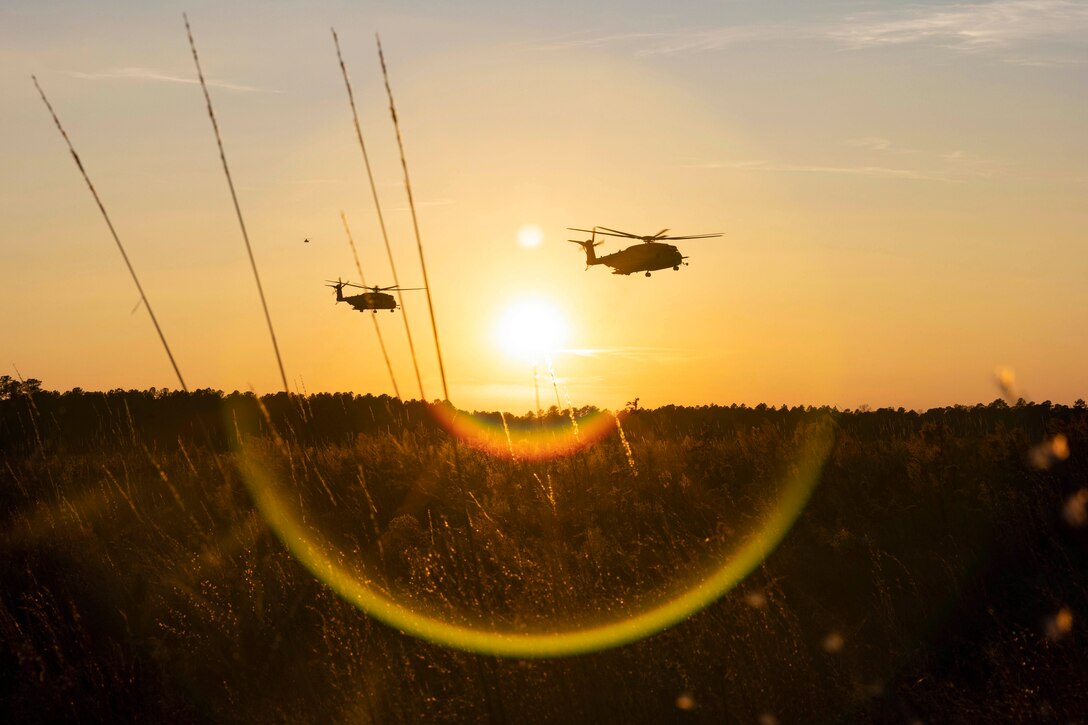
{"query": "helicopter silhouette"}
[(651, 255), (374, 300)]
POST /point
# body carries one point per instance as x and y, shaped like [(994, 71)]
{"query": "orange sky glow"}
[(901, 192)]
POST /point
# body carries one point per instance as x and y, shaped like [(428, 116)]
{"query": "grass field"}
[(939, 572)]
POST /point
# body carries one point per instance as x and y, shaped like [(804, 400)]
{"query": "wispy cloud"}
[(427, 202), (873, 143), (1028, 32), (955, 164), (886, 172), (150, 74), (1055, 61), (972, 27), (588, 39), (674, 42), (658, 354), (893, 162)]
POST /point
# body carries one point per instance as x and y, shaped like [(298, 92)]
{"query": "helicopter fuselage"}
[(371, 301), (641, 258)]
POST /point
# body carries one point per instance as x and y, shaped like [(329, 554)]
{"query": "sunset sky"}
[(901, 187)]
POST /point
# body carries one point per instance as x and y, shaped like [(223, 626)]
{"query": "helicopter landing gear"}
[(676, 269), (647, 274)]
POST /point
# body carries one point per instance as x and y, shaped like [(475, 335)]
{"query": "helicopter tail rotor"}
[(338, 285), (588, 245)]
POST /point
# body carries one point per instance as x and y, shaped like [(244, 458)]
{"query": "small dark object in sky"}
[(305, 241)]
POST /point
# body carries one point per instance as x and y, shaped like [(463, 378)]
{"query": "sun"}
[(530, 329)]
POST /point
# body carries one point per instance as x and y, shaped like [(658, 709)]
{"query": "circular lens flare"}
[(521, 440), (471, 632)]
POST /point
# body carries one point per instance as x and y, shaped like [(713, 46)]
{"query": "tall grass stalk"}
[(555, 384), (558, 403), (378, 208), (415, 221), (509, 440), (377, 328), (536, 389), (626, 446), (32, 413), (373, 511), (113, 232), (237, 208), (573, 418)]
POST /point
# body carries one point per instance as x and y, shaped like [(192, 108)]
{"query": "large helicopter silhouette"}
[(647, 257), (374, 300)]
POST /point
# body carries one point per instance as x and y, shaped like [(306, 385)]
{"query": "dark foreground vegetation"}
[(938, 574)]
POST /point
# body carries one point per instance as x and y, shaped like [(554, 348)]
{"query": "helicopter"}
[(374, 300), (653, 256)]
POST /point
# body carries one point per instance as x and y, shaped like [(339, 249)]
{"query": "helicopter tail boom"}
[(338, 285), (587, 245)]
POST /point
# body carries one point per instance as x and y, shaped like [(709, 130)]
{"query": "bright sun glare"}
[(530, 329), (530, 235)]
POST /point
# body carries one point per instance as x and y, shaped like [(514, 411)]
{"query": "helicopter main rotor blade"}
[(694, 236), (342, 283), (649, 239), (617, 233), (607, 233)]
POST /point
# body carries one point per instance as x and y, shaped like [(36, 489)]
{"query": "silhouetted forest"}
[(938, 573)]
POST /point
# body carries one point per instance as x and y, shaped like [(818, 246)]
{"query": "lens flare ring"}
[(536, 440), (668, 610)]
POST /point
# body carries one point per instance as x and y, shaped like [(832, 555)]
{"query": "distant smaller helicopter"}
[(374, 300), (648, 258)]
